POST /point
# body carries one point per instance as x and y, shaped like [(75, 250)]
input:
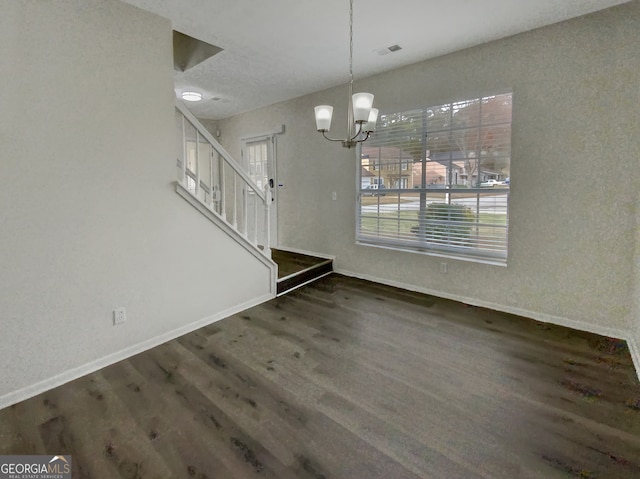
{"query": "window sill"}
[(436, 253)]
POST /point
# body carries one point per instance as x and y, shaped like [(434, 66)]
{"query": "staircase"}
[(217, 186), (295, 269)]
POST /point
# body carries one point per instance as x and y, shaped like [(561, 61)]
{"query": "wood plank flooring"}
[(348, 379)]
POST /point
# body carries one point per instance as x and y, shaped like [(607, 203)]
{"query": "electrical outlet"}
[(119, 316), (443, 268), (334, 196)]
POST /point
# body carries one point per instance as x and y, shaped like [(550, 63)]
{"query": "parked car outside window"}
[(374, 190), (491, 183)]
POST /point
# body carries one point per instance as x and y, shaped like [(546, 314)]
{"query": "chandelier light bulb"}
[(323, 117), (362, 103), (371, 121)]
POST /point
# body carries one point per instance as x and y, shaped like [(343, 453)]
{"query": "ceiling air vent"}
[(391, 49), (189, 51)]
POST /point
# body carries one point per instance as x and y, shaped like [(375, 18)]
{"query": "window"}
[(257, 161), (453, 196)]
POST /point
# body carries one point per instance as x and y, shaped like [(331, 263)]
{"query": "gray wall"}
[(89, 217), (574, 173)]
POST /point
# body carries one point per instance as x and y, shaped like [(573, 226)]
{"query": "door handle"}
[(270, 182)]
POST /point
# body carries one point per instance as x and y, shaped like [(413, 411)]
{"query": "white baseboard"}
[(75, 373), (302, 251), (545, 318)]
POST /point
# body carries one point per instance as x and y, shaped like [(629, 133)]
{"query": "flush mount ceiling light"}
[(360, 114), (191, 96)]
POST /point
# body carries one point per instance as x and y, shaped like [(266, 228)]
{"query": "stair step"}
[(300, 278), (296, 269)]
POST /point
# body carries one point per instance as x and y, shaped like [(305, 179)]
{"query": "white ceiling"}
[(276, 50)]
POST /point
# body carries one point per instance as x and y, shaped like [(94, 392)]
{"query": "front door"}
[(258, 155)]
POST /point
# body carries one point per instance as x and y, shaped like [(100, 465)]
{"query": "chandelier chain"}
[(351, 41)]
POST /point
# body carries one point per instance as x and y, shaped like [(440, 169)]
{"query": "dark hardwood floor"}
[(348, 379)]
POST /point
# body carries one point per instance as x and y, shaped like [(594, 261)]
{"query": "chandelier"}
[(361, 117)]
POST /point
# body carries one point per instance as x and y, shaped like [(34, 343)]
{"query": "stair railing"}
[(208, 173)]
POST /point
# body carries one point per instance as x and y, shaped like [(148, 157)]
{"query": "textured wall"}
[(90, 219), (574, 172)]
